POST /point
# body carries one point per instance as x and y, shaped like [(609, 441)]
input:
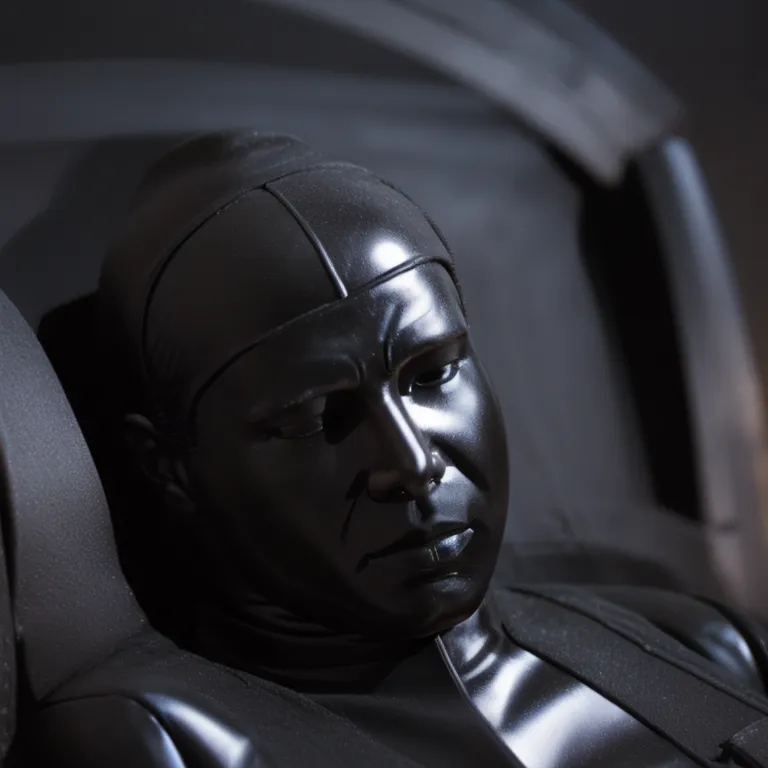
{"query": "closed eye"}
[(435, 367), (436, 377), (295, 422)]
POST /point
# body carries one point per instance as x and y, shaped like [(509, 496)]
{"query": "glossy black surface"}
[(363, 476), (546, 717), (149, 700)]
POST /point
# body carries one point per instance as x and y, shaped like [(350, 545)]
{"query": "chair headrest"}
[(159, 554), (71, 603), (7, 658)]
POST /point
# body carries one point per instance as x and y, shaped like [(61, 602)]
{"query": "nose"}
[(410, 463)]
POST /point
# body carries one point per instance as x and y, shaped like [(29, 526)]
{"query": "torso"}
[(474, 697), (545, 716), (516, 706), (418, 712)]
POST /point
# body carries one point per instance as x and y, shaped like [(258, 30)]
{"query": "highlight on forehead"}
[(363, 226), (428, 310)]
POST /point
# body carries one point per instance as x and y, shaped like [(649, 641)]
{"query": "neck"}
[(246, 631)]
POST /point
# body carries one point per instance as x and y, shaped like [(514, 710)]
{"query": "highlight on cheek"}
[(437, 419)]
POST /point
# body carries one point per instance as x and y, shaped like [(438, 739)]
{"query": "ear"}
[(158, 462)]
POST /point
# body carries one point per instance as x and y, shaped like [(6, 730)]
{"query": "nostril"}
[(424, 482), (387, 490), (384, 485), (395, 496), (408, 481)]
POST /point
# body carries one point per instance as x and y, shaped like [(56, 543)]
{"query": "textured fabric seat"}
[(8, 687), (69, 602)]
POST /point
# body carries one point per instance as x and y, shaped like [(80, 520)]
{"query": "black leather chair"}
[(8, 687), (69, 605)]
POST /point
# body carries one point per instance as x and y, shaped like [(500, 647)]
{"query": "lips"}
[(443, 542), (451, 546)]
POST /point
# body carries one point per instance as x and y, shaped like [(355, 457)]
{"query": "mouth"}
[(434, 548), (451, 546)]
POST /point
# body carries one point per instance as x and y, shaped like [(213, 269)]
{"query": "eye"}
[(436, 377), (298, 421)]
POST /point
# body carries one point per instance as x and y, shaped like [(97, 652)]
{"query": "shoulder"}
[(735, 642), (98, 731), (124, 732), (726, 636), (146, 705)]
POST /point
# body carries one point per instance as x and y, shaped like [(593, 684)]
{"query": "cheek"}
[(291, 489), (464, 411), (278, 509), (465, 422), (289, 469)]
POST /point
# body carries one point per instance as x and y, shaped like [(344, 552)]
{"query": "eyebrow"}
[(419, 349), (274, 406)]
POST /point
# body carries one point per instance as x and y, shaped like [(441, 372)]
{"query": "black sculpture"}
[(316, 402), (310, 400)]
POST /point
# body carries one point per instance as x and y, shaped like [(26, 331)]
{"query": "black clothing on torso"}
[(693, 710), (418, 712)]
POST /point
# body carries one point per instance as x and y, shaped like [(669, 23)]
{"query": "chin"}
[(435, 607)]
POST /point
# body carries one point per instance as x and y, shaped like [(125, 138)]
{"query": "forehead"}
[(280, 252), (303, 243), (417, 308)]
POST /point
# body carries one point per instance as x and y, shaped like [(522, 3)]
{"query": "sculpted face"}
[(300, 319), (356, 461)]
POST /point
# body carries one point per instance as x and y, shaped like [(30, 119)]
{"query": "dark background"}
[(713, 54)]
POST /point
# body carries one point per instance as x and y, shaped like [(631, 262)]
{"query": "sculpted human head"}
[(312, 394)]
